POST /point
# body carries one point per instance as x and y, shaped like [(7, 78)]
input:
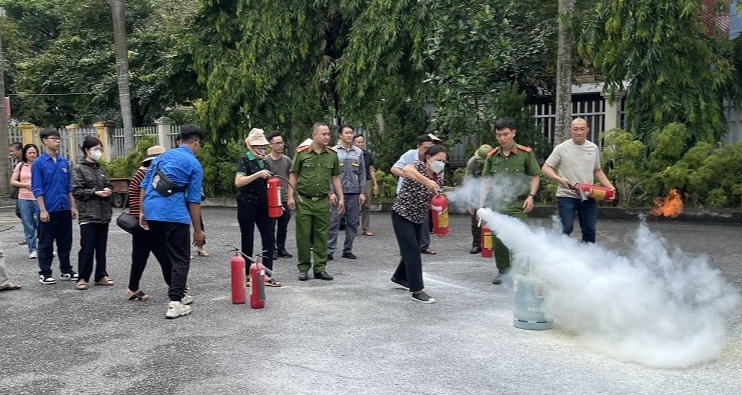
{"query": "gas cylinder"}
[(257, 285), (439, 206), (528, 299), (487, 242), (238, 278), (586, 191), (275, 209)]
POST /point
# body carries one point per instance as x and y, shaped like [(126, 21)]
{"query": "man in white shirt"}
[(577, 161)]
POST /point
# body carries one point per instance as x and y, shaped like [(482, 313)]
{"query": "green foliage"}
[(677, 70), (220, 167), (621, 154), (126, 166), (63, 71), (511, 102)]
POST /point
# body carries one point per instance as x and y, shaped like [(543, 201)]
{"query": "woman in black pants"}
[(422, 182), (252, 200), (92, 190), (141, 242)]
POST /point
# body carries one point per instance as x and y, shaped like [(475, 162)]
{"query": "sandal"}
[(104, 281), (367, 233), (202, 252), (272, 283), (139, 296), (428, 251), (10, 287), (81, 286)]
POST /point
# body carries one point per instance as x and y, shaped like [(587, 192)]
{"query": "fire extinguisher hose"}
[(268, 272), (289, 184)]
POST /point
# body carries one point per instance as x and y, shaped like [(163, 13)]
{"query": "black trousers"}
[(141, 246), (248, 216), (93, 242), (281, 225), (410, 267), (58, 228), (172, 247)]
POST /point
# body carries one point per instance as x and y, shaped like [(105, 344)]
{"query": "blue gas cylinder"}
[(528, 299)]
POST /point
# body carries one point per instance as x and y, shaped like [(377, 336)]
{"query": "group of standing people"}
[(320, 184)]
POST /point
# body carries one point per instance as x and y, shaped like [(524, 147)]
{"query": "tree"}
[(118, 11), (564, 73), (673, 68), (4, 165)]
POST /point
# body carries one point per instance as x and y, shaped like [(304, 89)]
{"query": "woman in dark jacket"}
[(92, 191)]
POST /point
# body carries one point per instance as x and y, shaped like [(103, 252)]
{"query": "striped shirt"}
[(136, 181)]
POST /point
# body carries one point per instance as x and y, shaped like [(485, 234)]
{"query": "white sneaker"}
[(33, 255), (186, 299), (177, 310)]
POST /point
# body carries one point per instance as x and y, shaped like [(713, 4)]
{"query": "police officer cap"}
[(481, 153)]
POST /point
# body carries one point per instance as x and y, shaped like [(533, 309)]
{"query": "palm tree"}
[(118, 11), (564, 73)]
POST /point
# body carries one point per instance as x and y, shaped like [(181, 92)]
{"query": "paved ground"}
[(356, 335)]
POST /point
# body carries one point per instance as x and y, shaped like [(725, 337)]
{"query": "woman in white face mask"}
[(92, 191), (422, 181)]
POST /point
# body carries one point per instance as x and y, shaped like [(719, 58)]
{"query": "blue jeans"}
[(29, 210), (587, 215)]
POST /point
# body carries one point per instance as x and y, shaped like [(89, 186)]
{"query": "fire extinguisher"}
[(257, 285), (487, 243), (238, 278), (439, 206), (596, 192), (275, 208)]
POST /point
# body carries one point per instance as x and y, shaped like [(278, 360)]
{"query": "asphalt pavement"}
[(358, 334)]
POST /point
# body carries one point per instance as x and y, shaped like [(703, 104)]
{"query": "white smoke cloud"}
[(503, 189), (653, 306)]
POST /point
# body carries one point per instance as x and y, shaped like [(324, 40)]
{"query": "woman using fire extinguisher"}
[(252, 200), (421, 182)]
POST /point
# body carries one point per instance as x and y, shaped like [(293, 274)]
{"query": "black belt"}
[(313, 198)]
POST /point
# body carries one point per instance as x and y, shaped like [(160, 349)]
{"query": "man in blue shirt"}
[(168, 215), (52, 188)]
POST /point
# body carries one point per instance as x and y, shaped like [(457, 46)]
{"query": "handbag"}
[(128, 222)]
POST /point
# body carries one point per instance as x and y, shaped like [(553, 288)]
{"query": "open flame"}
[(670, 206)]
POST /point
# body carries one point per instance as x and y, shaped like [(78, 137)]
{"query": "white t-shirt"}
[(575, 163)]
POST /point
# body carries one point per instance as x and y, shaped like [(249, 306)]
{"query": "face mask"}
[(437, 167), (260, 151), (95, 154)]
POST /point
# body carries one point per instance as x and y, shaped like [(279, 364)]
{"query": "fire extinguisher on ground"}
[(237, 265), (487, 242), (439, 206), (275, 208), (257, 282)]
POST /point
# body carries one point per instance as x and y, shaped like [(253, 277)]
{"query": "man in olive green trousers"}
[(313, 168)]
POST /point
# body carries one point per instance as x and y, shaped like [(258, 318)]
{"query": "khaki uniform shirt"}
[(514, 172), (314, 171)]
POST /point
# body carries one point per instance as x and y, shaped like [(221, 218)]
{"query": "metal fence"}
[(592, 111)]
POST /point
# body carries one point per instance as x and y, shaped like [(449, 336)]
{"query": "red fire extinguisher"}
[(439, 206), (486, 242), (257, 286), (238, 278), (596, 192), (275, 208)]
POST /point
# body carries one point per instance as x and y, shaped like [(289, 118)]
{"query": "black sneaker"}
[(349, 255), (330, 258), (422, 297), (71, 276), (284, 254), (46, 279), (497, 280)]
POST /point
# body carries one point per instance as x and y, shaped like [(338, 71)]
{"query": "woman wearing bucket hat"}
[(140, 242), (252, 200)]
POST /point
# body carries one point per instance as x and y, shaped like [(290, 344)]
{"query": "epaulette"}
[(302, 148), (524, 148), (494, 151), (333, 149)]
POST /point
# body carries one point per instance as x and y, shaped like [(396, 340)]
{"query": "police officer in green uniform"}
[(515, 171), (474, 168), (313, 168)]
